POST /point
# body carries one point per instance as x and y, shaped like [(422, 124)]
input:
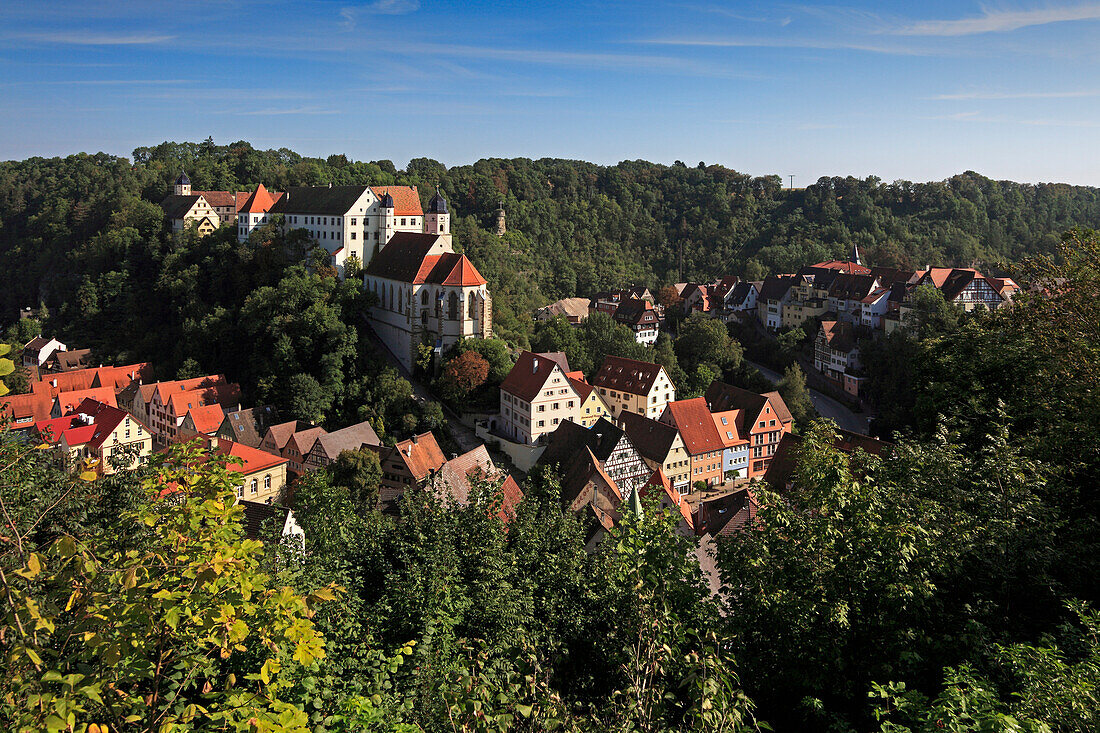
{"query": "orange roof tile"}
[(406, 199), (259, 202), (727, 432), (254, 459), (421, 454), (207, 418), (696, 426), (68, 401)]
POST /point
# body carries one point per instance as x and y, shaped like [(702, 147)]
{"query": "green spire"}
[(636, 502)]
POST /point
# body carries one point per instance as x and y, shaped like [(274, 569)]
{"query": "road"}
[(826, 406)]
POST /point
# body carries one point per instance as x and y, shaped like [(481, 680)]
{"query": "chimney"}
[(416, 439)]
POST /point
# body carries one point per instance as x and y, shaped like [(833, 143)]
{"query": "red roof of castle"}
[(406, 200), (259, 202)]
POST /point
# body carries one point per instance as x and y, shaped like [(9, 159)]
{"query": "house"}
[(704, 446), (261, 521), (590, 493), (119, 378), (277, 436), (846, 295), (574, 310), (735, 449), (969, 288), (261, 476), (204, 420), (456, 480), (425, 293), (329, 446), (697, 299), (762, 419), (835, 350), (634, 386), (170, 402), (409, 463), (536, 396), (725, 513), (608, 301), (358, 221), (65, 402), (248, 426), (298, 447), (183, 207), (741, 298), (24, 410), (661, 446), (641, 317), (224, 204), (592, 405), (97, 431), (68, 361), (609, 444), (773, 295), (39, 349)]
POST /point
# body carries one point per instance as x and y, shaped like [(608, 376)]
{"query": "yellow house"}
[(184, 206), (627, 385), (592, 406), (100, 432)]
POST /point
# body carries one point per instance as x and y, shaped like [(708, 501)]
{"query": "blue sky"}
[(896, 89)]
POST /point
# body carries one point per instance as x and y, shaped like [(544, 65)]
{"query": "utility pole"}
[(681, 278)]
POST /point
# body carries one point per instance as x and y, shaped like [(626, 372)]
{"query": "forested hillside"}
[(84, 231)]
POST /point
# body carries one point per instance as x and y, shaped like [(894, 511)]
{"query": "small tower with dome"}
[(437, 220), (501, 226), (183, 185), (386, 215)]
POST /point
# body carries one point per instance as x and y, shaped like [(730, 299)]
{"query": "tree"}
[(360, 473), (668, 297), (705, 340), (792, 388), (307, 398), (463, 374), (179, 628), (557, 334)]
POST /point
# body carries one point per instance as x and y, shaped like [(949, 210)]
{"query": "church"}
[(427, 294)]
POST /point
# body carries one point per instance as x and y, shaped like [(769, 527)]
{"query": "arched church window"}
[(472, 310), (452, 306), (424, 296)]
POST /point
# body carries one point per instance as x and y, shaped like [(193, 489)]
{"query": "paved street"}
[(825, 406)]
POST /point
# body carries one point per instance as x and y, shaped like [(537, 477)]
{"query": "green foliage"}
[(360, 473), (177, 629), (792, 388), (705, 352)]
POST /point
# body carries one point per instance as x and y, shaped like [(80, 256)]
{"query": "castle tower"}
[(501, 228), (183, 185), (437, 220), (386, 218)]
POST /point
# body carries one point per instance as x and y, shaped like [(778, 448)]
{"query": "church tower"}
[(437, 220), (501, 227), (386, 219), (183, 185)]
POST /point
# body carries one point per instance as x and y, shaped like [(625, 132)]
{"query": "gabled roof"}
[(256, 513), (634, 310), (254, 460), (206, 418), (875, 295), (527, 377), (249, 426), (406, 199), (775, 287), (627, 375), (260, 202), (852, 287), (164, 390), (740, 292), (218, 198), (653, 439), (458, 474), (569, 307), (331, 200), (729, 432), (73, 359), (176, 206), (851, 268), (219, 394), (782, 466), (283, 432), (580, 385), (570, 440), (35, 344), (352, 437), (722, 397), (421, 454), (403, 258), (68, 401), (658, 482), (455, 270), (696, 426), (303, 440), (90, 422), (839, 335)]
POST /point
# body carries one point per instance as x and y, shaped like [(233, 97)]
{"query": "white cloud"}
[(1001, 21), (1017, 95), (98, 39), (349, 15)]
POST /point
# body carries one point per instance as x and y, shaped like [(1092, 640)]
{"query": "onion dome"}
[(438, 204)]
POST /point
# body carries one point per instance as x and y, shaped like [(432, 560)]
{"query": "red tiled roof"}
[(421, 454), (659, 482), (303, 440), (696, 426), (627, 375), (219, 394), (207, 418), (731, 417), (25, 409), (406, 258), (406, 200), (258, 203), (530, 373), (463, 273), (839, 335), (512, 495), (218, 198), (120, 377), (254, 459), (282, 432), (165, 389), (580, 384), (68, 401), (850, 268), (106, 417)]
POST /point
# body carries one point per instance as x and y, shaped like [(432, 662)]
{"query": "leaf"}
[(33, 565)]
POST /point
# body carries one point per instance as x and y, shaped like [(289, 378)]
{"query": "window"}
[(402, 222), (556, 404), (542, 423), (452, 306), (267, 482), (725, 421), (472, 311), (252, 486), (570, 404), (542, 408), (771, 423), (424, 296), (127, 432), (353, 222), (353, 235)]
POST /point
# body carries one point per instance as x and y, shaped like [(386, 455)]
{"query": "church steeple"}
[(183, 185), (854, 256)]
